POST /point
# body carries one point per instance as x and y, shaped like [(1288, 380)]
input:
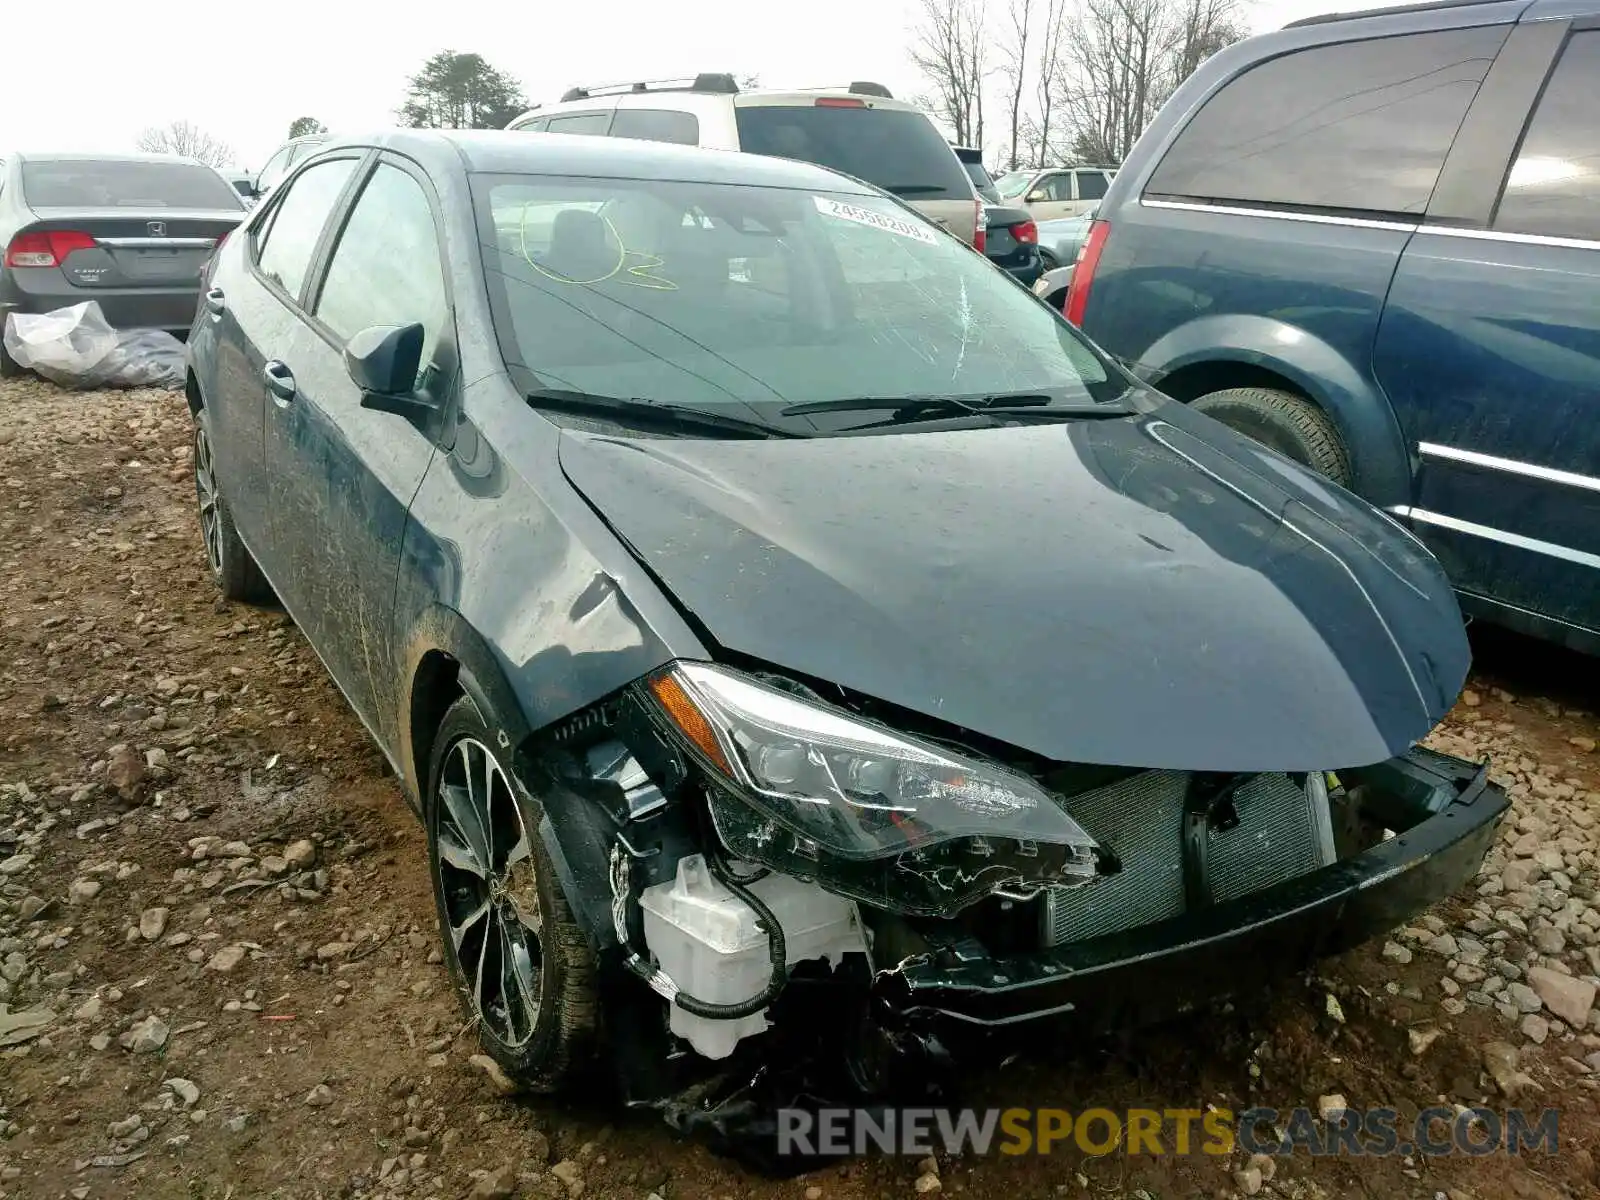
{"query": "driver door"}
[(347, 473), (1051, 197)]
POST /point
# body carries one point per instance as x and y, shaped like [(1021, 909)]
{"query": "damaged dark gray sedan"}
[(810, 657)]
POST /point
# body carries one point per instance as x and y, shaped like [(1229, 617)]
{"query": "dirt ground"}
[(211, 886)]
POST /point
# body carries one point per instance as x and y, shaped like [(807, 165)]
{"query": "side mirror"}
[(1037, 196), (383, 360)]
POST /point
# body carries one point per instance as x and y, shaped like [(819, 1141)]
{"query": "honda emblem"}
[(157, 228)]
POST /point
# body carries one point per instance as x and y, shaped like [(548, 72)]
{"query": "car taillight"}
[(210, 264), (1027, 233), (980, 228), (1083, 271), (48, 248)]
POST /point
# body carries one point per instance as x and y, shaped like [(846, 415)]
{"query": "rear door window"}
[(1091, 185), (656, 125), (1554, 186), (537, 125), (124, 183), (897, 149), (1361, 126), (585, 122), (285, 247)]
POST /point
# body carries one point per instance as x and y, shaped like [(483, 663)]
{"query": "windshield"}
[(1013, 183), (112, 183), (716, 295), (896, 149)]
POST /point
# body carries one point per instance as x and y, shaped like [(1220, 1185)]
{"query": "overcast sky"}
[(347, 63)]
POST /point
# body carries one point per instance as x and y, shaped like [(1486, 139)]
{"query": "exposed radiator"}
[(1283, 831)]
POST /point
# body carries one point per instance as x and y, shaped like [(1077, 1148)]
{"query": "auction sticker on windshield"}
[(865, 216)]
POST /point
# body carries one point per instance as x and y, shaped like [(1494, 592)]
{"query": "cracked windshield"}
[(711, 295)]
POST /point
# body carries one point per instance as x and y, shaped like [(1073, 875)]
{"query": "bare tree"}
[(1121, 59), (1204, 27), (1047, 83), (1015, 69), (181, 137), (950, 52)]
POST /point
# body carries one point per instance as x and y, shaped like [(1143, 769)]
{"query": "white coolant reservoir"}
[(705, 939)]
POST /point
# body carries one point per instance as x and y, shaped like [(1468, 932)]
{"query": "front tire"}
[(1289, 424), (233, 569), (519, 961)]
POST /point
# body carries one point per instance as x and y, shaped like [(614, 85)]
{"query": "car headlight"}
[(902, 823)]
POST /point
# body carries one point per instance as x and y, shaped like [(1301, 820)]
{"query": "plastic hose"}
[(776, 948)]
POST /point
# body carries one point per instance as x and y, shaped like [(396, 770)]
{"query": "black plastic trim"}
[(1475, 170)]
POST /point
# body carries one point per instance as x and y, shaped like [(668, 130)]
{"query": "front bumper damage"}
[(934, 1012), (916, 995), (1165, 969)]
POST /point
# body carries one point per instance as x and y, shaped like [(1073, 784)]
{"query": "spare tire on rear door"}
[(1289, 424)]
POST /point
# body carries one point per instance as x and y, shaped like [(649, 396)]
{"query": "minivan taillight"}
[(980, 228), (1083, 270), (47, 248)]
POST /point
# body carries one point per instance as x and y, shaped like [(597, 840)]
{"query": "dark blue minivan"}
[(1372, 241)]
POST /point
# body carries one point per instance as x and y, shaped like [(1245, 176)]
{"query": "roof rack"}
[(706, 81), (860, 87), (1427, 6)]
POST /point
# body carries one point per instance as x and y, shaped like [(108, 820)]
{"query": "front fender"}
[(444, 644), (1355, 403)]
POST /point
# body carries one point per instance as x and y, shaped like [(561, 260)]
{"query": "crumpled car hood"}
[(1152, 592)]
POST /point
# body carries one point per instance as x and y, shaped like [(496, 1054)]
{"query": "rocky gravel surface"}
[(219, 976)]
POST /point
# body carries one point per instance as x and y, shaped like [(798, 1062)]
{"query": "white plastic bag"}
[(76, 347)]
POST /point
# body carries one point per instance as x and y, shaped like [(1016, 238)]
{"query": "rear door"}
[(894, 148), (257, 322), (346, 474), (1089, 187), (1490, 343)]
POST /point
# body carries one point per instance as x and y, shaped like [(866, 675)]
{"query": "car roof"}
[(79, 156), (499, 151), (1394, 10)]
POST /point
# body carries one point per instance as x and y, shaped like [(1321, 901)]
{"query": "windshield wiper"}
[(926, 407), (678, 414)]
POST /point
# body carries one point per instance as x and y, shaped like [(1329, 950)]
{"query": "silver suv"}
[(861, 130)]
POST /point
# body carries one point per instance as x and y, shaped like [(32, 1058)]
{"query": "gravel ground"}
[(218, 960)]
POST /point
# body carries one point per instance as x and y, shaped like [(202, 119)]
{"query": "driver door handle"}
[(279, 381)]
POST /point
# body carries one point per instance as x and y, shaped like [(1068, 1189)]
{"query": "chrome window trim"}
[(1277, 215), (1511, 466), (1486, 235), (1497, 235), (1581, 558)]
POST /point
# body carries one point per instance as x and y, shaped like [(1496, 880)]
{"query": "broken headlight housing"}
[(901, 823)]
